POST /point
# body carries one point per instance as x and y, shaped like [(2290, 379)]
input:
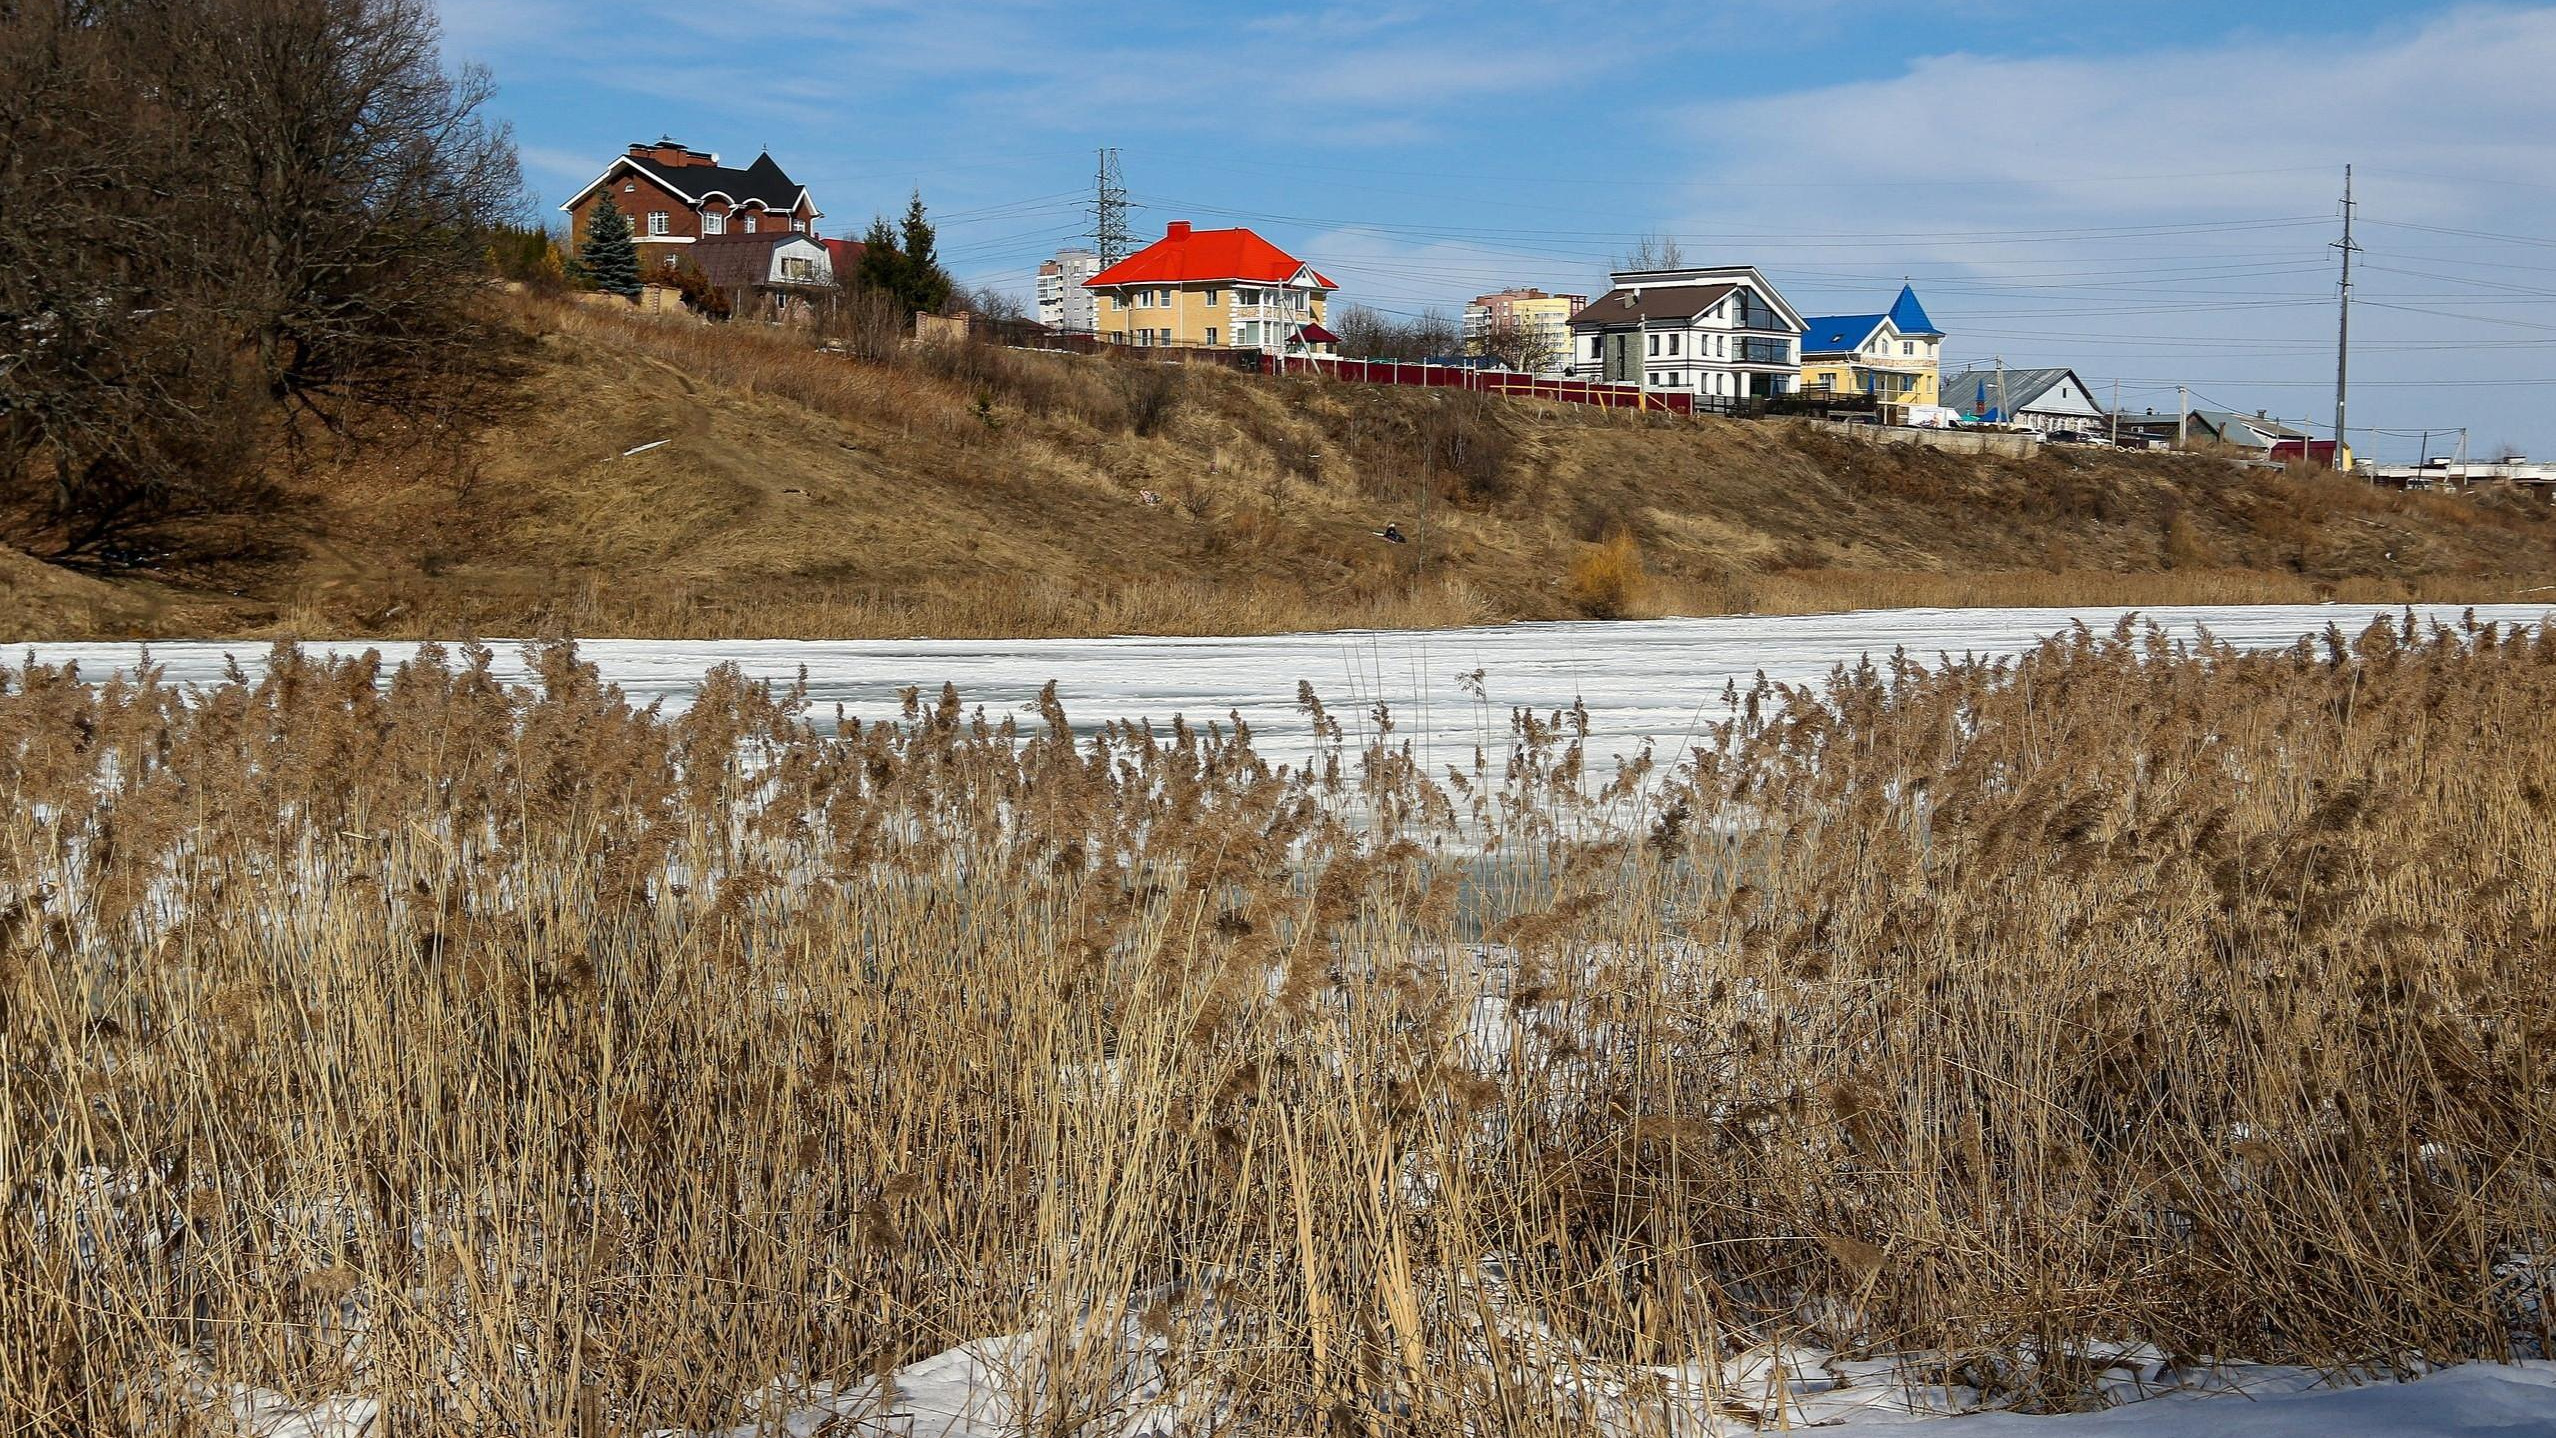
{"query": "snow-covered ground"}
[(1657, 679), (965, 1393)]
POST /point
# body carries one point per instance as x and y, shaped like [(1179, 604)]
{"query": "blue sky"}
[(2145, 192)]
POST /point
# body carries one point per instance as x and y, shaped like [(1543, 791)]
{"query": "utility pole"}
[(2116, 414), (2343, 329), (2003, 416), (2182, 416), (1109, 211)]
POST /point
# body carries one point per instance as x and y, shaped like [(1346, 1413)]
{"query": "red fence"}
[(1516, 386)]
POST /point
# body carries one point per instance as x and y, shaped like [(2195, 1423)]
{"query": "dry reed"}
[(530, 1063)]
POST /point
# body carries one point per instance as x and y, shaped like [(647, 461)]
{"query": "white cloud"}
[(1939, 171)]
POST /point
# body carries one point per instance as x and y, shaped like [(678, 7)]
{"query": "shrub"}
[(1607, 580), (1153, 393)]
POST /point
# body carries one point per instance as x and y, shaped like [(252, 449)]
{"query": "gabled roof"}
[(1911, 317), (1651, 302), (2253, 431), (1975, 392), (1837, 334), (1184, 256), (761, 182)]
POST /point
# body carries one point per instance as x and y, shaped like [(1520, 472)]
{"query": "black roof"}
[(762, 180)]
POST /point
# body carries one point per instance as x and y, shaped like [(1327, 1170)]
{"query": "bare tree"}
[(1520, 347), (1654, 251), (1371, 334), (215, 214)]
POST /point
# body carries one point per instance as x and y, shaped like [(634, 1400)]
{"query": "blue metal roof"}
[(1910, 316), (1838, 334)]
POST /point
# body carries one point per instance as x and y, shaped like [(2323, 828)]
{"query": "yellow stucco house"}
[(1896, 356), (1228, 288)]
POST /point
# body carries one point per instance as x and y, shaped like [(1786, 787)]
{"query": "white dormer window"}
[(749, 229), (714, 224)]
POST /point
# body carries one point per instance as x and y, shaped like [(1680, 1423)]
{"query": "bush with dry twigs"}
[(525, 1061)]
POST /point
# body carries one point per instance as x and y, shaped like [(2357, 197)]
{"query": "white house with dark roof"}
[(675, 196), (1716, 333)]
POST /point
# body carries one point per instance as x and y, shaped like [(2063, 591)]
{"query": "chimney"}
[(1176, 230), (671, 153)]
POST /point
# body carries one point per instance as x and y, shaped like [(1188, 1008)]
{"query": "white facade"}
[(1721, 333), (1063, 303)]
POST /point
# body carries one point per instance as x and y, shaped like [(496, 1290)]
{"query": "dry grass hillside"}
[(650, 479)]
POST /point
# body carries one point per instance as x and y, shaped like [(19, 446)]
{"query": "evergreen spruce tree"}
[(927, 284), (609, 260), (898, 261), (882, 266)]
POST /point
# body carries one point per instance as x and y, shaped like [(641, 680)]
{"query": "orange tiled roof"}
[(1189, 256)]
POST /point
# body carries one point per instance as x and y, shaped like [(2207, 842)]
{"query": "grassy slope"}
[(803, 494)]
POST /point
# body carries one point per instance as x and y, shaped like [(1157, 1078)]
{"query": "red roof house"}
[(1212, 287)]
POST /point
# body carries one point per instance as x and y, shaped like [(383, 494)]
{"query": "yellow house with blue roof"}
[(1895, 356)]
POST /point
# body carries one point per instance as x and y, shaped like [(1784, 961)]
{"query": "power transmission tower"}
[(1109, 211), (2343, 330)]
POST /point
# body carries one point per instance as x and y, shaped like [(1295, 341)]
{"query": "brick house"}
[(676, 197)]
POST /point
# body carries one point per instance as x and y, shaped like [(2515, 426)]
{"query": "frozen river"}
[(1659, 679)]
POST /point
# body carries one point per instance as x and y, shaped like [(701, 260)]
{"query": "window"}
[(1214, 298), (1673, 344), (658, 223), (1211, 334), (629, 187), (1597, 346), (749, 224), (670, 262), (714, 224), (1655, 345), (1246, 297), (1908, 347)]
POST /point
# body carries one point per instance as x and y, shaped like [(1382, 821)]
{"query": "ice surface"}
[(2477, 1401), (1660, 679)]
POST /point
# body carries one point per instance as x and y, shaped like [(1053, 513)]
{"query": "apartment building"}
[(1063, 303), (1526, 328)]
